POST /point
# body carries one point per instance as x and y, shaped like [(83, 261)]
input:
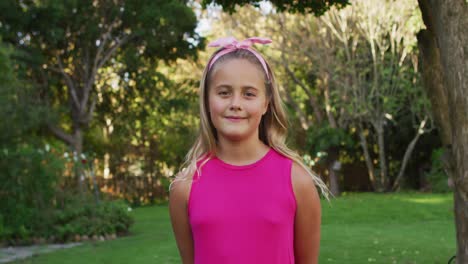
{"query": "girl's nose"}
[(236, 102)]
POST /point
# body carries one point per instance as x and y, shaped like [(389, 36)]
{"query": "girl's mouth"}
[(234, 118)]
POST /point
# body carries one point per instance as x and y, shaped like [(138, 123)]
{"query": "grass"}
[(388, 228), (356, 228)]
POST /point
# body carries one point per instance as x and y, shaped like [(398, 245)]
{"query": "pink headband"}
[(230, 44)]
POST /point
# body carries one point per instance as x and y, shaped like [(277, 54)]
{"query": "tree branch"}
[(408, 152), (91, 77), (62, 135), (106, 57), (312, 99), (305, 124), (68, 81), (89, 115)]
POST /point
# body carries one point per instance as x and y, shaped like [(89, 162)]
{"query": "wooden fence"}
[(137, 190)]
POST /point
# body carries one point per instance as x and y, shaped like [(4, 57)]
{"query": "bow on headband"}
[(230, 44)]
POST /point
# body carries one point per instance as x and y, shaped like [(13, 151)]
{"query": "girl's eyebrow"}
[(229, 86), (223, 86), (250, 87)]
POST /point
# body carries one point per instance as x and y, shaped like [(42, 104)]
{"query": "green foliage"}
[(80, 52), (74, 26), (85, 217), (326, 144), (78, 216), (29, 171), (29, 177), (7, 76), (2, 228), (155, 116), (325, 137), (316, 7), (437, 177), (20, 112), (116, 46)]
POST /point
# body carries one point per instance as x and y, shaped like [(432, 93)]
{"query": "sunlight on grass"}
[(427, 200)]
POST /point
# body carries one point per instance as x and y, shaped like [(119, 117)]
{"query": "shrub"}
[(86, 217), (29, 178), (2, 228), (437, 176), (32, 206)]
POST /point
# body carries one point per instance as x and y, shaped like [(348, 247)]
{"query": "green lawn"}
[(356, 228)]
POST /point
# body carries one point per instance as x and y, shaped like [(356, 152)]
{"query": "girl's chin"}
[(234, 136)]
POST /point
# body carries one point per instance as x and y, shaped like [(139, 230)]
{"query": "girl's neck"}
[(241, 153)]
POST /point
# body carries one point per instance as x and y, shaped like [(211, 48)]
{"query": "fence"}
[(137, 190)]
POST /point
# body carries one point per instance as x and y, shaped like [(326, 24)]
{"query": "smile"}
[(234, 119)]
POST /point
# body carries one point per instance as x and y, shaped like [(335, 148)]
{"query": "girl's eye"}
[(226, 93)]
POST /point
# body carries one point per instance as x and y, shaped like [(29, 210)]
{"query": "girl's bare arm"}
[(308, 217), (178, 200)]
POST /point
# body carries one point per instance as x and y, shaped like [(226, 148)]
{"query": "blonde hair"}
[(272, 130)]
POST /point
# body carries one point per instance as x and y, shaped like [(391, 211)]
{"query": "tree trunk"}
[(382, 158), (368, 159), (95, 183), (334, 166), (408, 152), (334, 181), (431, 70), (78, 148), (447, 35)]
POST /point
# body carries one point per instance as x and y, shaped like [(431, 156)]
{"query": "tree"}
[(69, 42), (376, 48), (318, 7), (445, 72), (142, 124)]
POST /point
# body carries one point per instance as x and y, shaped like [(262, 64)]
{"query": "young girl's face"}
[(237, 99)]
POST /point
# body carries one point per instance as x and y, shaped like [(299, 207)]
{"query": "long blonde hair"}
[(272, 130)]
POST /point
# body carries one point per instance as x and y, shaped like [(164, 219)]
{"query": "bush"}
[(29, 177), (86, 217), (30, 172), (437, 177), (32, 206), (2, 228)]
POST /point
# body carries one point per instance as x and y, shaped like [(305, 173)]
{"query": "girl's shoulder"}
[(179, 189), (299, 175), (302, 182), (181, 185)]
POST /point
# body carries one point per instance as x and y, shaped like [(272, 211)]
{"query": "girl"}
[(244, 196)]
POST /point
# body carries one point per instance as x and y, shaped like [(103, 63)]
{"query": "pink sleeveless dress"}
[(243, 214)]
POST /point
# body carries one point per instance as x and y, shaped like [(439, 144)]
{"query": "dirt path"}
[(8, 254)]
